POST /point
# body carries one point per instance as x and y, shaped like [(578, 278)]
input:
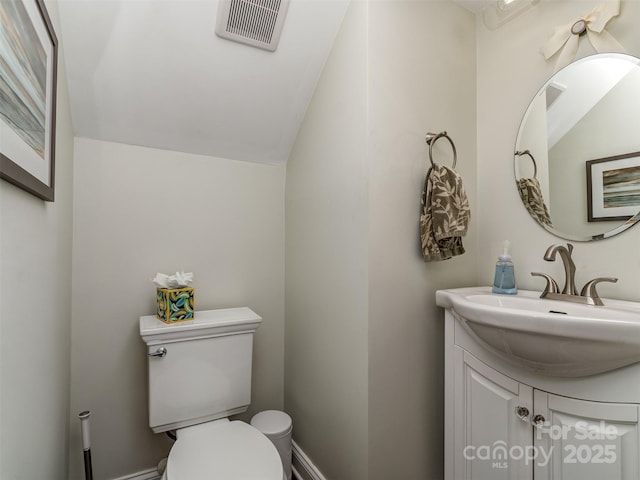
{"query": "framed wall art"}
[(613, 187), (28, 74)]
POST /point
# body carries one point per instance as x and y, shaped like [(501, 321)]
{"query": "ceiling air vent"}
[(254, 22), (554, 90)]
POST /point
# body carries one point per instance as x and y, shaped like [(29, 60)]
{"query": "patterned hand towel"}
[(531, 194), (445, 214)]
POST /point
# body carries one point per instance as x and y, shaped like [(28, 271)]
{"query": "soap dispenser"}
[(504, 281)]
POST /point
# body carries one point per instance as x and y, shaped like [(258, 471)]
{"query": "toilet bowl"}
[(223, 449), (199, 375)]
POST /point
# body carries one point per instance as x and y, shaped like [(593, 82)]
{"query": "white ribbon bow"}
[(566, 37)]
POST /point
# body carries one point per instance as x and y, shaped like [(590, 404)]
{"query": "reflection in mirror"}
[(577, 161)]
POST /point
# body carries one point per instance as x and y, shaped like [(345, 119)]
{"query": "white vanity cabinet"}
[(507, 422), (486, 408), (587, 440)]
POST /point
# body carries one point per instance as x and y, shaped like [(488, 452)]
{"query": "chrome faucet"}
[(569, 266), (588, 294)]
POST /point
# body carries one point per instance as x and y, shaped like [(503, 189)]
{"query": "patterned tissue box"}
[(175, 305)]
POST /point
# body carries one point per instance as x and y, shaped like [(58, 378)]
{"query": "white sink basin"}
[(549, 336)]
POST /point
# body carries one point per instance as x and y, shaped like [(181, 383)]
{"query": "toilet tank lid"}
[(206, 323)]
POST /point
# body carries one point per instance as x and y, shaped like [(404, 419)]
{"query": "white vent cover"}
[(255, 22), (554, 90)]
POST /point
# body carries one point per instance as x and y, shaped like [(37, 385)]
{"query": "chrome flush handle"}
[(160, 353)]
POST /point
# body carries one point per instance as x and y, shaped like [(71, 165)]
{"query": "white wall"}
[(364, 337), (35, 313), (421, 79), (510, 71), (139, 211), (326, 264)]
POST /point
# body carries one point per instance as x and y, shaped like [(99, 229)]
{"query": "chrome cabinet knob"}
[(160, 352), (538, 421), (522, 413)]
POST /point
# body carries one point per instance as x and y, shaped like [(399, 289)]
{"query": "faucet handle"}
[(552, 285), (589, 289)]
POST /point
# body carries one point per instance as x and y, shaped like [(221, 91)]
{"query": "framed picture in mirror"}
[(28, 72), (613, 187)]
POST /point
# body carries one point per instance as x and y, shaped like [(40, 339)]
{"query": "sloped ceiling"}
[(153, 73)]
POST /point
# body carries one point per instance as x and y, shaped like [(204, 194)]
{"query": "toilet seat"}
[(223, 450)]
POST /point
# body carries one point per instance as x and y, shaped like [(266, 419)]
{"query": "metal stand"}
[(86, 444)]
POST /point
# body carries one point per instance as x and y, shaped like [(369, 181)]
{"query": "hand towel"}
[(445, 214), (531, 194)]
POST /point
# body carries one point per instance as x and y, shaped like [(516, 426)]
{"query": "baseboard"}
[(302, 467), (151, 474)]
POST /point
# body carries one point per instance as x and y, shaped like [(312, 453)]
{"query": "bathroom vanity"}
[(540, 389)]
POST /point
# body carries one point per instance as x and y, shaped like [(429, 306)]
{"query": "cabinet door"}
[(487, 428), (587, 440)]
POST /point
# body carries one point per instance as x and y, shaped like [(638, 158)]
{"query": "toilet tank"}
[(199, 370)]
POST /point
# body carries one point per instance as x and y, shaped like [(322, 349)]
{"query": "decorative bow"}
[(566, 37)]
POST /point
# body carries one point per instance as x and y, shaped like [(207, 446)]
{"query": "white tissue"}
[(179, 280)]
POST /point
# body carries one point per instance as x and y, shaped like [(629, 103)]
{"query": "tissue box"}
[(175, 305)]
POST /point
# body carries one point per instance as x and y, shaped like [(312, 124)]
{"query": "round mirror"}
[(577, 156)]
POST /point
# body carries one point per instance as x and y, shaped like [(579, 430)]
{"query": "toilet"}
[(199, 375)]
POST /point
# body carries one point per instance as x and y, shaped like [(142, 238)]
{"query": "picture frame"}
[(613, 187), (28, 79)]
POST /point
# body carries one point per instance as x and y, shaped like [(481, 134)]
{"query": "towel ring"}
[(527, 152), (431, 138)]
